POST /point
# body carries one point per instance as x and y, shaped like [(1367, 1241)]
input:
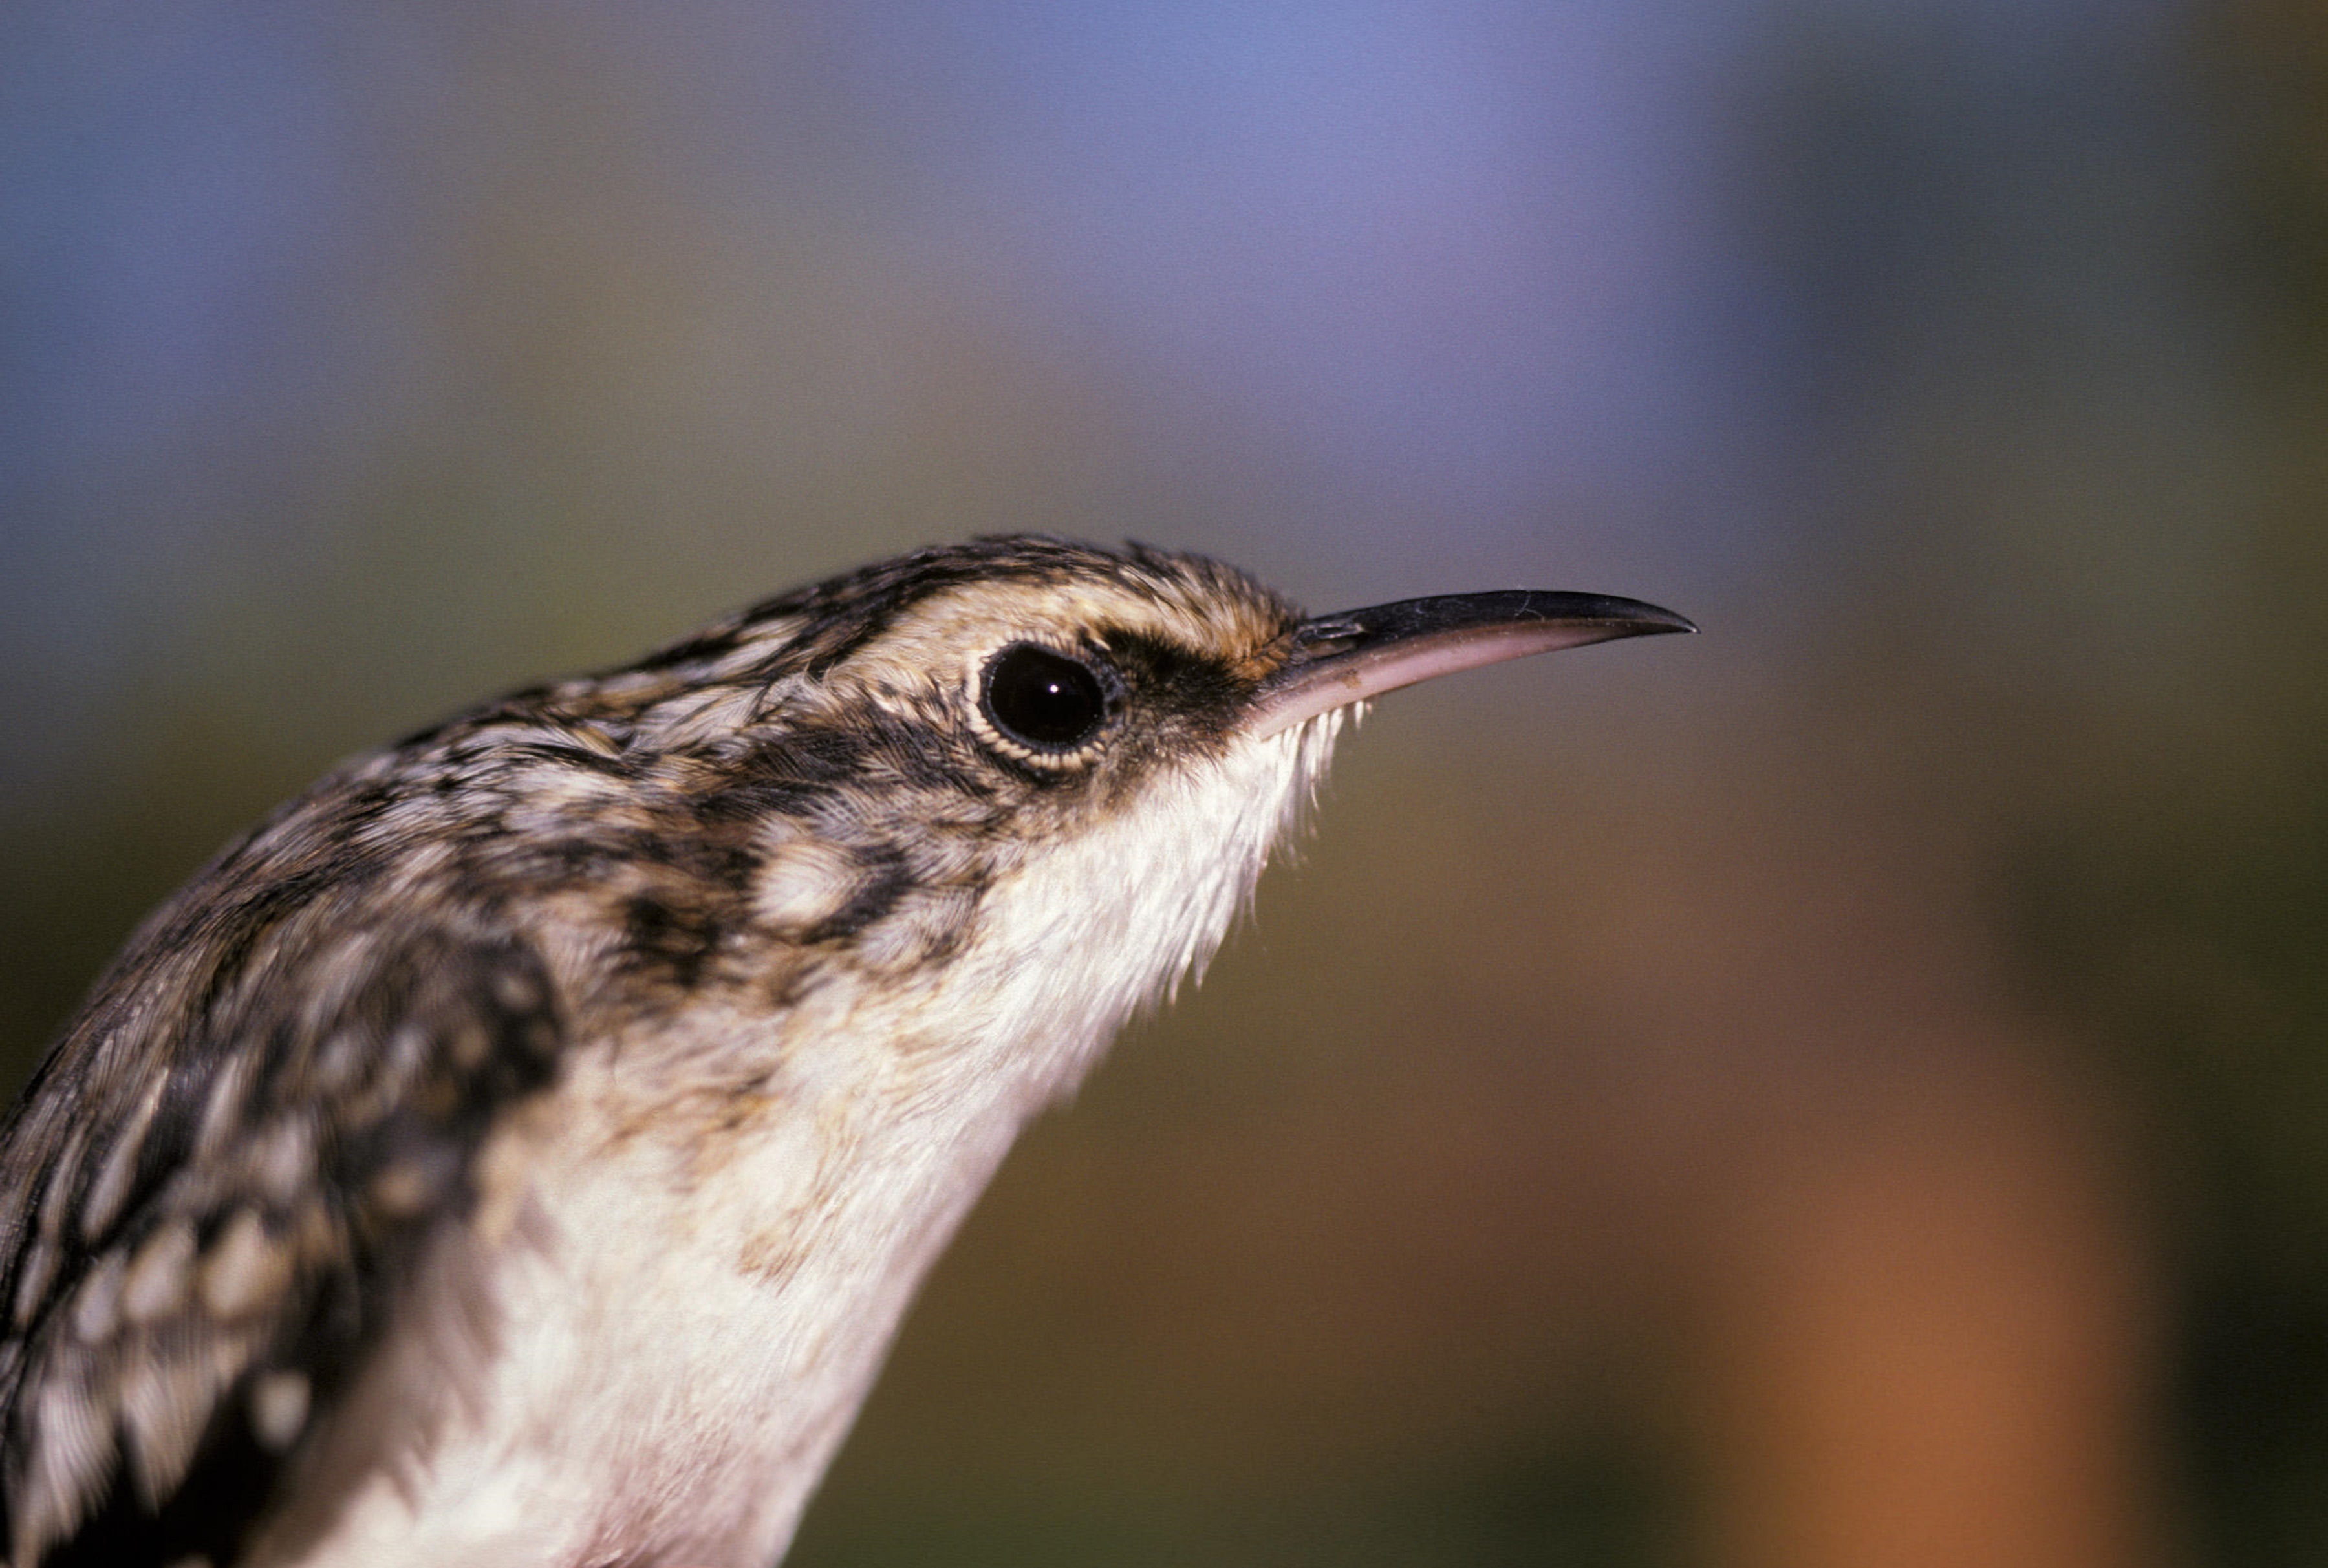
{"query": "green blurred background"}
[(1851, 1088)]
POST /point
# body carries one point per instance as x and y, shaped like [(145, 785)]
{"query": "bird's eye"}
[(1043, 700)]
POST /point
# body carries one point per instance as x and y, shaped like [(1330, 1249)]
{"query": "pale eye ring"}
[(1048, 701)]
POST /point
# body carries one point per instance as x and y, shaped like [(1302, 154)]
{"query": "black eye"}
[(1043, 699)]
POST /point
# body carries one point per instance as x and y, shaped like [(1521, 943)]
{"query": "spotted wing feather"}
[(201, 1236)]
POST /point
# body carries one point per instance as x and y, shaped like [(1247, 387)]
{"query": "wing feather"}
[(201, 1232)]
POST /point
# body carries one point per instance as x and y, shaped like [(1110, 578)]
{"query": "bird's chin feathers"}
[(1108, 922)]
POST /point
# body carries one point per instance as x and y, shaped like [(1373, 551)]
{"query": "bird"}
[(521, 1148)]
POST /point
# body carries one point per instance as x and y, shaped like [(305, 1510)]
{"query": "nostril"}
[(1320, 637)]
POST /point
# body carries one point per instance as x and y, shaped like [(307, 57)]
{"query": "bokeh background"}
[(1850, 1089)]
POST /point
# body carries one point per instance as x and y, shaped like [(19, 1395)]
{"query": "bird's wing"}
[(200, 1234)]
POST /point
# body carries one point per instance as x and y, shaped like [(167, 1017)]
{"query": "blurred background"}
[(1850, 1089)]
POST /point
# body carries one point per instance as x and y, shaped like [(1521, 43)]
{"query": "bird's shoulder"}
[(213, 1189)]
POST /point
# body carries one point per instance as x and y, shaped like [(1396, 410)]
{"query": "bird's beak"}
[(1338, 660)]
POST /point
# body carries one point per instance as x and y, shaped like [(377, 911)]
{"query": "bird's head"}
[(1018, 787)]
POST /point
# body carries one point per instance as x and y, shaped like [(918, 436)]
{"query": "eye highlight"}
[(1043, 700)]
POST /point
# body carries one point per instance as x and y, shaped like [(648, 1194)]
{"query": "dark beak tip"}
[(1635, 618)]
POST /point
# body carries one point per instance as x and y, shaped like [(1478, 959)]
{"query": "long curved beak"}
[(1338, 660)]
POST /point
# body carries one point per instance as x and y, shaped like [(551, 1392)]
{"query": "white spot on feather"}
[(282, 1159), (158, 1275), (32, 1285), (164, 1405), (222, 1111), (805, 882), (278, 1409), (245, 1270), (110, 1188), (96, 1310), (72, 1455)]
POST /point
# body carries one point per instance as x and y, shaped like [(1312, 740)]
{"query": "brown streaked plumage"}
[(520, 1149)]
